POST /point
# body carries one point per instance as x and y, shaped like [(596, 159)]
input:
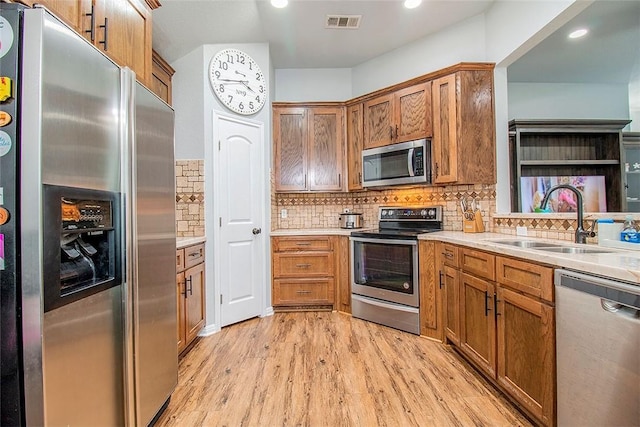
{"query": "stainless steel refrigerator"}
[(87, 200)]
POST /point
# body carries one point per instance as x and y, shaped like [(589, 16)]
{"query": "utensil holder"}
[(475, 225)]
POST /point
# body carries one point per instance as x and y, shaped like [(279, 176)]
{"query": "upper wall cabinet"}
[(463, 143), (354, 146), (161, 73), (120, 28), (400, 116), (308, 148)]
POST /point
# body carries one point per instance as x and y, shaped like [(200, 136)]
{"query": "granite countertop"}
[(183, 242), (616, 264), (316, 231)]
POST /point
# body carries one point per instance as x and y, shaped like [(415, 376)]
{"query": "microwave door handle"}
[(410, 162)]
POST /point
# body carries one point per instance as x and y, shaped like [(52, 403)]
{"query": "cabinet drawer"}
[(532, 279), (302, 291), (450, 255), (179, 260), (302, 243), (193, 255), (479, 263), (303, 264)]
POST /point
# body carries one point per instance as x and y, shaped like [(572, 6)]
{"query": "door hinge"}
[(221, 299)]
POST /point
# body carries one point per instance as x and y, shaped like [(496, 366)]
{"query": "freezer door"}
[(155, 348)]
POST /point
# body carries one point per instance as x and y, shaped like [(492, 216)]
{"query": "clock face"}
[(237, 81)]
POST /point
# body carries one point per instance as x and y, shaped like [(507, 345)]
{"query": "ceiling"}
[(296, 34), (608, 54)]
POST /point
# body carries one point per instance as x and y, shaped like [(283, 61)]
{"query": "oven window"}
[(384, 266)]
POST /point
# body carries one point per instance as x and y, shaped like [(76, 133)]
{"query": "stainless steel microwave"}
[(404, 163)]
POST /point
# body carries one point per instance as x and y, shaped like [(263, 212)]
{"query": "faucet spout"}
[(581, 234)]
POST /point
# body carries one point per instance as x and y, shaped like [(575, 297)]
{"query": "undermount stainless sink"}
[(575, 250), (527, 243), (552, 247)]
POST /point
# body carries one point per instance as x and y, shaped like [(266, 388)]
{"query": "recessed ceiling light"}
[(578, 33), (411, 4), (279, 3)]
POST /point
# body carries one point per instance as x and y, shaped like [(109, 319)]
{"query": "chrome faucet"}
[(581, 233)]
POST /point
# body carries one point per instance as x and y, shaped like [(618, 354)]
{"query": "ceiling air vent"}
[(347, 22)]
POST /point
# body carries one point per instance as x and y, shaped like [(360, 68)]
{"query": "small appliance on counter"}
[(350, 220)]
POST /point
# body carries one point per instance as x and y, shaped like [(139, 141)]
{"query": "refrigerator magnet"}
[(5, 88), (6, 36), (5, 118), (5, 143)]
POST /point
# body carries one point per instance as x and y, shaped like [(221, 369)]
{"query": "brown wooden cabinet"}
[(400, 116), (303, 271), (431, 322), (343, 274), (499, 312), (463, 143), (355, 138), (190, 294), (161, 73), (308, 148), (120, 28)]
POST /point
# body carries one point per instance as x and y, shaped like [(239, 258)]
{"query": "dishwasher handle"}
[(612, 293)]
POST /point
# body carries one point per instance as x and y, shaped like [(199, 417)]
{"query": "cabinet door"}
[(430, 296), (477, 322), (325, 149), (451, 288), (412, 111), (445, 134), (127, 35), (342, 274), (378, 121), (180, 302), (290, 148), (161, 74), (355, 138), (526, 352), (194, 279), (76, 13)]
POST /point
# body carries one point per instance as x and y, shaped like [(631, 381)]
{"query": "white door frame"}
[(212, 230)]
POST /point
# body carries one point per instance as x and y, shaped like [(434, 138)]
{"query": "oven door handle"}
[(383, 304), (384, 241)]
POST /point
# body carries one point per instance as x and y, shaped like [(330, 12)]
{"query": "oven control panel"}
[(433, 213)]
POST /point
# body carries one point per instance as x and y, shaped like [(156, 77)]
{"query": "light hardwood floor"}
[(329, 369)]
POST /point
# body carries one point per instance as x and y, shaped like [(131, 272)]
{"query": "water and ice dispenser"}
[(82, 254)]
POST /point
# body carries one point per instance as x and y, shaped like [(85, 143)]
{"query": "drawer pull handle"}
[(303, 265), (447, 254), (303, 292), (303, 244), (194, 254)]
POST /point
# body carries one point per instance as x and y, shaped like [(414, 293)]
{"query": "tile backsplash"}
[(321, 210), (189, 198)]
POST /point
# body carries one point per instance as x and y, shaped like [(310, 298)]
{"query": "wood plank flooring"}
[(329, 369)]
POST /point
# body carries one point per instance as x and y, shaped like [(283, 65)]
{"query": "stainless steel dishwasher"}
[(598, 350)]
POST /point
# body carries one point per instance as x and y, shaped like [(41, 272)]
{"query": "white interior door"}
[(241, 178)]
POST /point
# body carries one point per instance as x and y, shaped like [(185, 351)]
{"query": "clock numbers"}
[(237, 81)]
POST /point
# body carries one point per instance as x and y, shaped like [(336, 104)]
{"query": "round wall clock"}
[(238, 81)]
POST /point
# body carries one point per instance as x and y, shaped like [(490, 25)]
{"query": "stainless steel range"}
[(385, 270)]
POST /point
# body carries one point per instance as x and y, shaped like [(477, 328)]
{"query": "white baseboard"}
[(267, 312), (208, 330)]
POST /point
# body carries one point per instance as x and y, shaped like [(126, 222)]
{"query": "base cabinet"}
[(499, 312), (303, 272), (190, 294)]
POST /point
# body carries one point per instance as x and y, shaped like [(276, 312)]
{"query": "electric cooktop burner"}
[(404, 223)]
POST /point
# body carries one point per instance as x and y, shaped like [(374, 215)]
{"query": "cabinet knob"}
[(256, 231)]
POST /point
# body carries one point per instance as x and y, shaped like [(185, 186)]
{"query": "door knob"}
[(256, 231)]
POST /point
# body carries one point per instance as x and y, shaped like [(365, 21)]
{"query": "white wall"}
[(312, 84), (464, 42), (568, 101)]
